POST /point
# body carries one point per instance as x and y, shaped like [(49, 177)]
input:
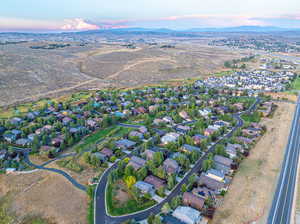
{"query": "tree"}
[(207, 164), (158, 158), (151, 218), (194, 156), (90, 191), (87, 157), (192, 179), (129, 170), (220, 150), (175, 202), (161, 191), (142, 173), (183, 188), (157, 220), (130, 181), (166, 208), (171, 182)]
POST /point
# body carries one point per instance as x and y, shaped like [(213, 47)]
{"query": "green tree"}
[(183, 188), (142, 173), (158, 158), (171, 181), (175, 202), (166, 208)]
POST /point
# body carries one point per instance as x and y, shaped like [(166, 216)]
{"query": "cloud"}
[(17, 24), (78, 24)]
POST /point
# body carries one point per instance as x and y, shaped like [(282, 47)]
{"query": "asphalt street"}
[(281, 209)]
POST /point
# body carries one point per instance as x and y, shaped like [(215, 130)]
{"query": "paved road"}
[(281, 209), (101, 217), (66, 175)]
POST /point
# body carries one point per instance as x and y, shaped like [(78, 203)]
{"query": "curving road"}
[(63, 173), (101, 217), (281, 210)]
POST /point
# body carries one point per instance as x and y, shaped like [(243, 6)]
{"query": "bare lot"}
[(251, 191), (44, 194)]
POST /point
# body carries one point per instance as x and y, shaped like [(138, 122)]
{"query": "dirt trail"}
[(145, 60), (251, 191)]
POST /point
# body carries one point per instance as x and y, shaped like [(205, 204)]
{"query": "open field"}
[(52, 198), (30, 74), (251, 191)]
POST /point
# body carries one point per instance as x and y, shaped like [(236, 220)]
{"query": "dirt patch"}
[(44, 194), (251, 191), (121, 194)]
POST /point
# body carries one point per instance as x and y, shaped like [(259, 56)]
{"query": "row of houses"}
[(256, 80)]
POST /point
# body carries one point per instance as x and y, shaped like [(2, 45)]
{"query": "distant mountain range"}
[(180, 32), (249, 29)]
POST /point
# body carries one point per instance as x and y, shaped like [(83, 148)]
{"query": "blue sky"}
[(39, 15)]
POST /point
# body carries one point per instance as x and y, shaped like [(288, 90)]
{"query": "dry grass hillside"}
[(27, 74)]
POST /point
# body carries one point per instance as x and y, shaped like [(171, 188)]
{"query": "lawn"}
[(93, 138), (96, 137), (296, 84), (224, 73), (125, 205), (253, 117)]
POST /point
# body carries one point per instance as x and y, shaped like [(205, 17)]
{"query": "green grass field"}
[(296, 84), (129, 207), (93, 138)]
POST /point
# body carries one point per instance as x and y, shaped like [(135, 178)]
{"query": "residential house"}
[(16, 121), (23, 142), (66, 120), (244, 140), (16, 133), (251, 132), (187, 215), (222, 163), (192, 200), (182, 128), (183, 114), (239, 106), (170, 137), (205, 112), (167, 119), (231, 151), (215, 174), (209, 131), (107, 152), (125, 144), (9, 137), (143, 129), (145, 188), (211, 183), (171, 166), (100, 156), (137, 162), (168, 219), (158, 121), (199, 138), (136, 134), (149, 154), (203, 192), (189, 148), (57, 141), (3, 153), (155, 181)]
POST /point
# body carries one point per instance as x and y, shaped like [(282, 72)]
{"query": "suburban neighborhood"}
[(156, 140)]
